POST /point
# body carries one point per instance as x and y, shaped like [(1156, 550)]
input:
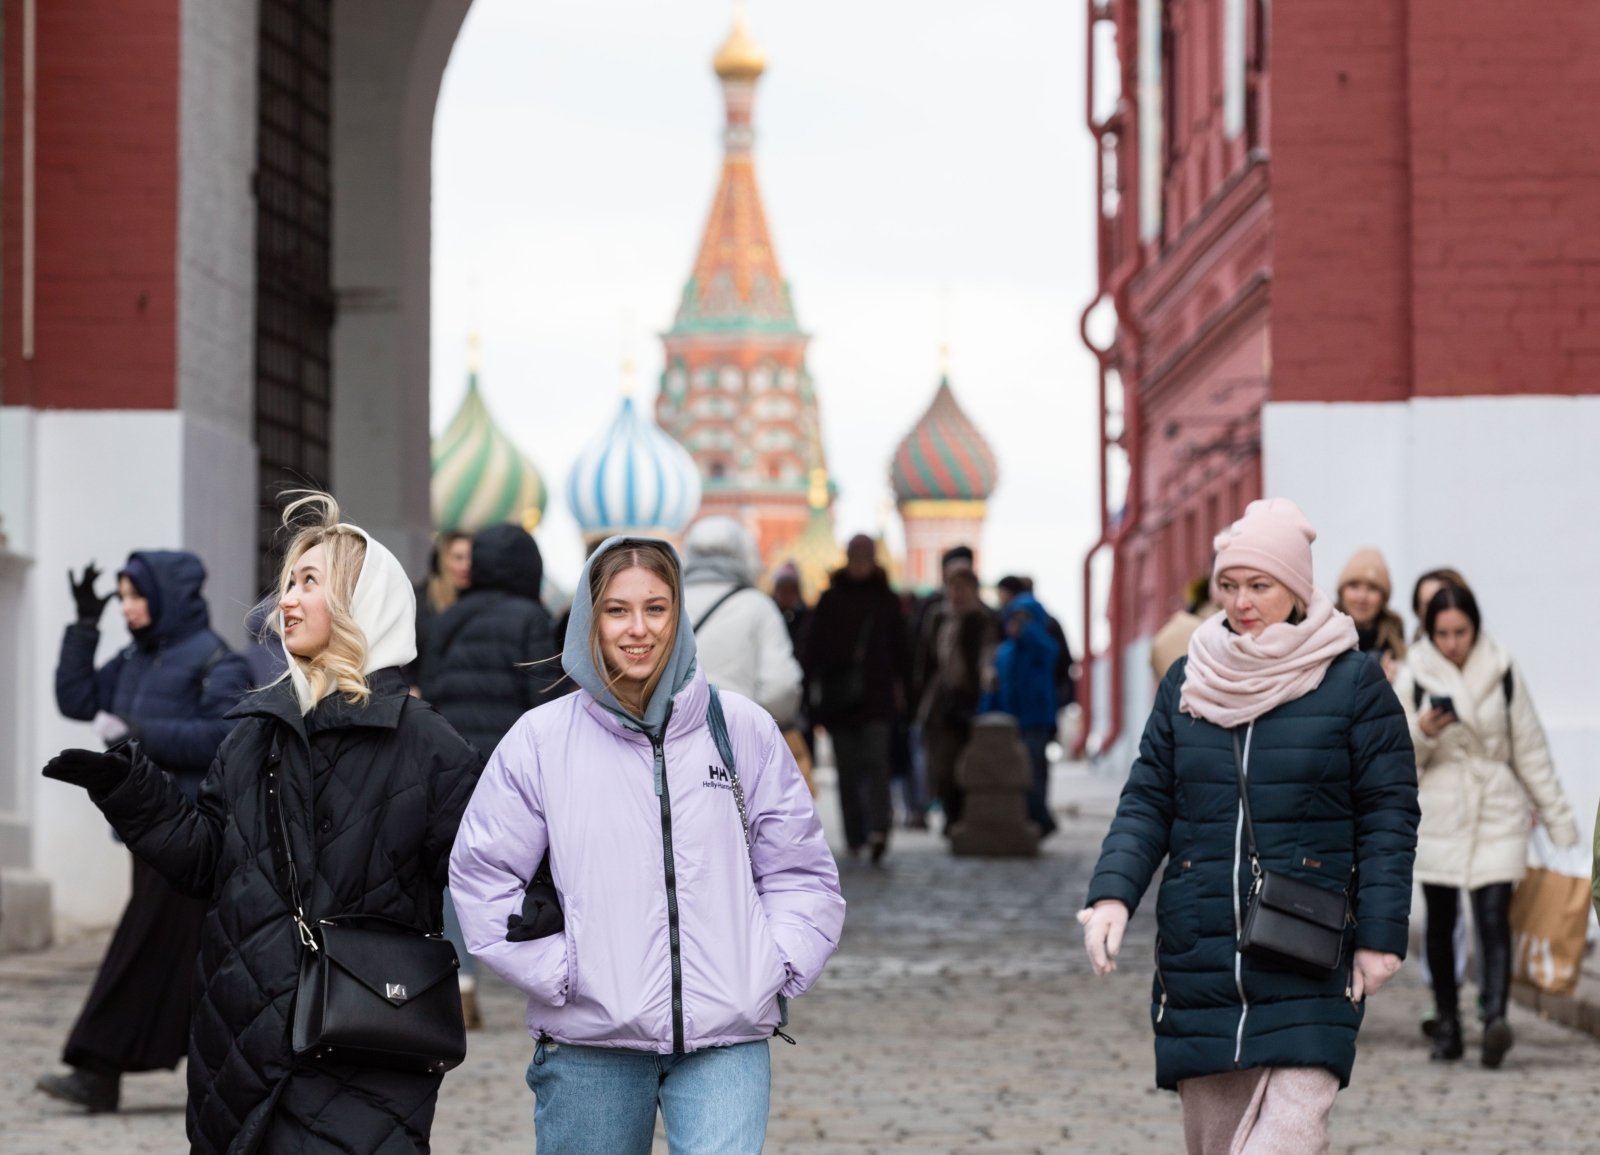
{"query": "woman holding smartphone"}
[(1482, 765), (1273, 705), (642, 860)]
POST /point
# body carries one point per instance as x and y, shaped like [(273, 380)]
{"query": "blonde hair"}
[(340, 666), (658, 560)]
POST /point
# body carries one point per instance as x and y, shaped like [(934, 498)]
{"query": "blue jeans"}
[(600, 1101)]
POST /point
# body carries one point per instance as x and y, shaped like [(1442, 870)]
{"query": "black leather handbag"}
[(377, 993), (373, 993), (1294, 924)]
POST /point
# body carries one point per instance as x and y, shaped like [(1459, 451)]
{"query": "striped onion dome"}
[(633, 479), (944, 457), (479, 477)]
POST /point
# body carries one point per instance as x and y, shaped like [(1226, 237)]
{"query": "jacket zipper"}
[(1238, 915), (670, 872)]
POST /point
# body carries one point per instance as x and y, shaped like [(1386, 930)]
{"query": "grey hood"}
[(719, 549), (577, 661)]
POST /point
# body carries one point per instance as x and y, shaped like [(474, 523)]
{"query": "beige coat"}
[(1480, 780)]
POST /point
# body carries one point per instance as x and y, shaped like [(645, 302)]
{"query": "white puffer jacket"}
[(1480, 778), (744, 645)]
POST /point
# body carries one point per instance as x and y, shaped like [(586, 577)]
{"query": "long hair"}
[(340, 666), (1449, 597), (658, 561), (441, 592)]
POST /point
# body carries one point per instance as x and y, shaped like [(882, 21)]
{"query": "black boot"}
[(1494, 973), (95, 1092), (1446, 1039)]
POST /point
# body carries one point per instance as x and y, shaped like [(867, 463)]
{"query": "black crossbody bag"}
[(373, 992), (1287, 922)]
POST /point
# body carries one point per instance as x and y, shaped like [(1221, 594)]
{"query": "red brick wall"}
[(1505, 172), (1340, 201), (106, 197)]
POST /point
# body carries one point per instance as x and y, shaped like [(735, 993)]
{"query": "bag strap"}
[(717, 605), (718, 723), (307, 939), (1241, 764)]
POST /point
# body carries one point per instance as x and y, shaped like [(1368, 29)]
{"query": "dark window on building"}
[(294, 290)]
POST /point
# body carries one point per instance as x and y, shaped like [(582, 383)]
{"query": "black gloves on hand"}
[(90, 605), (541, 909), (97, 773)]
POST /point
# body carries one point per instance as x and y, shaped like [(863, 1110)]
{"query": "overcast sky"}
[(906, 151)]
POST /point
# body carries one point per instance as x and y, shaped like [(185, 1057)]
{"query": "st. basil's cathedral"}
[(737, 427)]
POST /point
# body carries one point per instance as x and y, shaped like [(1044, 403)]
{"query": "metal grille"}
[(294, 291)]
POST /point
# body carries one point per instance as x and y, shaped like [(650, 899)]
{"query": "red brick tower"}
[(735, 390)]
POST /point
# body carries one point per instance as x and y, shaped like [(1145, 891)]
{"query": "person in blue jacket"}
[(1275, 703), (169, 689), (1025, 688)]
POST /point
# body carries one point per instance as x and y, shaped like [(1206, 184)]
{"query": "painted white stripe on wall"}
[(1505, 489)]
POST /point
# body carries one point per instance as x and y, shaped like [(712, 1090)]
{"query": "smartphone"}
[(1442, 703)]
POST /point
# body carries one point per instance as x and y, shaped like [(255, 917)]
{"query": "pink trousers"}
[(1270, 1111)]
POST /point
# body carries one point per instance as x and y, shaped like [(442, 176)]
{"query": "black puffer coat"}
[(174, 685), (860, 618), (372, 795), (492, 656), (1333, 786)]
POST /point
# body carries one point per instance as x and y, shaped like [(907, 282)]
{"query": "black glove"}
[(90, 604), (541, 909), (97, 773)]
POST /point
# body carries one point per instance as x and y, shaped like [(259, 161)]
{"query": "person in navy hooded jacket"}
[(1025, 688), (169, 689)]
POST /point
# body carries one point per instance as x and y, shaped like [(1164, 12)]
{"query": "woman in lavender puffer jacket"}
[(661, 977)]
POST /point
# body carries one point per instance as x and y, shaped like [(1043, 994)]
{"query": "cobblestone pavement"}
[(959, 1016)]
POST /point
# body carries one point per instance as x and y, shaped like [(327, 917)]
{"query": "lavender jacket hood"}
[(641, 822)]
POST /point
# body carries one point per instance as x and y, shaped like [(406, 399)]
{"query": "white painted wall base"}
[(96, 485), (1505, 489)]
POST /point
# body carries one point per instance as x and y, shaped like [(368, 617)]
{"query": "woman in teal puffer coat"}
[(1256, 1049)]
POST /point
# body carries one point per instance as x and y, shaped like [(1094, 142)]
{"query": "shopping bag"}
[(1549, 920)]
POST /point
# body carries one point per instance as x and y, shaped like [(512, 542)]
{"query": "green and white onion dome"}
[(633, 479), (479, 477)]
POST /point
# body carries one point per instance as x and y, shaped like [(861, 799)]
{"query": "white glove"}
[(1103, 925), (111, 728)]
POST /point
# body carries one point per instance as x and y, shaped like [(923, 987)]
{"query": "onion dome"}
[(944, 457), (479, 477), (740, 57), (633, 479)]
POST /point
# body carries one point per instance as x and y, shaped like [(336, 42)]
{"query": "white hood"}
[(384, 606)]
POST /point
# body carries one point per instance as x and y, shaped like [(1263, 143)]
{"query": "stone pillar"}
[(995, 774)]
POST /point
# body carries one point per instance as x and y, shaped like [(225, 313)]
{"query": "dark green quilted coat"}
[(1333, 785)]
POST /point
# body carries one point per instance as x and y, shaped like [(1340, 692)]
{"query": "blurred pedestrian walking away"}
[(1276, 756), (739, 632), (800, 734), (491, 658), (856, 665), (1481, 760), (642, 860), (170, 689), (957, 669), (337, 793), (1025, 668), (1364, 589)]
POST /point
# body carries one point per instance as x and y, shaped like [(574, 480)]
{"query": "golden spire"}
[(474, 353), (818, 496), (740, 57)]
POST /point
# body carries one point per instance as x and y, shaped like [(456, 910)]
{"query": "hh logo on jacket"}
[(718, 777)]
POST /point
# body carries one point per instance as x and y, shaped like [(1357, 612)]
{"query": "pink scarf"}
[(1233, 678)]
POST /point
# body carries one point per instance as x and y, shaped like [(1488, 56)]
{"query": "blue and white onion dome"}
[(633, 479)]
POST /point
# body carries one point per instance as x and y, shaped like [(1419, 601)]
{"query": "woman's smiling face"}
[(307, 622), (637, 627)]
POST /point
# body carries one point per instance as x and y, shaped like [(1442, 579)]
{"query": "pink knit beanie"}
[(1274, 537)]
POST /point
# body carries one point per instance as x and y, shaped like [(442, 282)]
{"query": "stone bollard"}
[(994, 773)]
